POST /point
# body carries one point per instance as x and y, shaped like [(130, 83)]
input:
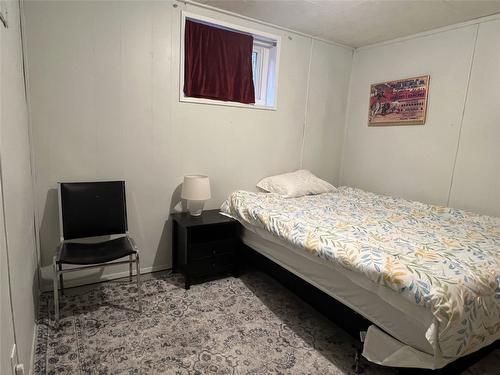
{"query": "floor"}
[(251, 325)]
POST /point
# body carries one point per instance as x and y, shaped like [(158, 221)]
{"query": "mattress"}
[(435, 266)]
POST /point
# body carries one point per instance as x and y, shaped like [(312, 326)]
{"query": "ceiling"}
[(359, 23)]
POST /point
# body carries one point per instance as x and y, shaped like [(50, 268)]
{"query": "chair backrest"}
[(89, 209)]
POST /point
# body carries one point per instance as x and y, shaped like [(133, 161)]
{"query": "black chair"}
[(91, 209)]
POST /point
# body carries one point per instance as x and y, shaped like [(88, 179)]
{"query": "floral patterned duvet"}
[(444, 259)]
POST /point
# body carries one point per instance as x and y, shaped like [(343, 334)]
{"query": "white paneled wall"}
[(326, 106), (454, 159), (414, 162), (17, 238), (104, 86), (476, 182)]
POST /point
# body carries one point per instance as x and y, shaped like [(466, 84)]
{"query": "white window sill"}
[(185, 99)]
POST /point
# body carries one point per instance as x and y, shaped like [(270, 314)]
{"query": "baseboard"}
[(47, 286)]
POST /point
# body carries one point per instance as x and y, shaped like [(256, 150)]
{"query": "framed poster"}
[(401, 102)]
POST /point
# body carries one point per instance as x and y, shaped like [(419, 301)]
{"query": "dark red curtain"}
[(217, 64)]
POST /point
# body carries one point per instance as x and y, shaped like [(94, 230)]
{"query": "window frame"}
[(271, 38), (262, 73)]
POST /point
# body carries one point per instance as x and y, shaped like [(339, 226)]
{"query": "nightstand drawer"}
[(210, 233), (212, 266), (211, 249)]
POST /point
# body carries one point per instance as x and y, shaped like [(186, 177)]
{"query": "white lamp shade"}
[(196, 188)]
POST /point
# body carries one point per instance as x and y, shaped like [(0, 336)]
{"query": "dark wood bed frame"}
[(352, 322)]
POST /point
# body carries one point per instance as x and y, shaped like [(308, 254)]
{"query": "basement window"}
[(250, 83)]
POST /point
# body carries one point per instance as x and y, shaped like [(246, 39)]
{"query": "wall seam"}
[(340, 177), (36, 220), (304, 125), (469, 77)]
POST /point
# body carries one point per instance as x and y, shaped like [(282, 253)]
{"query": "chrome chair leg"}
[(61, 280), (138, 275), (56, 293), (130, 267)]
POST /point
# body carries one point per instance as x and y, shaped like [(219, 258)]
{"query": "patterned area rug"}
[(250, 325)]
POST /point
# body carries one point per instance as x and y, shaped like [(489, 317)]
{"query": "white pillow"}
[(295, 184)]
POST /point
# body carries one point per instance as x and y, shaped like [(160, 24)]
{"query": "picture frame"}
[(399, 102)]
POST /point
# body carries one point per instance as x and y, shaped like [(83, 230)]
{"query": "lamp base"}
[(195, 208)]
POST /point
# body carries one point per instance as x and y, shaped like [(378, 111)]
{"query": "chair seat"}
[(94, 253)]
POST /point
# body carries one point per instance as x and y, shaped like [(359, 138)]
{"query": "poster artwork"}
[(401, 102)]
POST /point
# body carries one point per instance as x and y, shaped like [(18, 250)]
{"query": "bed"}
[(427, 277)]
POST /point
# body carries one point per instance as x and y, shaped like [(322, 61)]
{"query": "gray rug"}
[(250, 325)]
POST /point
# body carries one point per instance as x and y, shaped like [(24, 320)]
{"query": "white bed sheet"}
[(411, 326)]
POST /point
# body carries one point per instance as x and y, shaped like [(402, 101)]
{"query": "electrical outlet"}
[(19, 370), (13, 359)]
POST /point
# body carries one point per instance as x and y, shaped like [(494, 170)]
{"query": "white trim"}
[(71, 283), (263, 35), (262, 74), (268, 24), (443, 29), (263, 43), (184, 99), (258, 72)]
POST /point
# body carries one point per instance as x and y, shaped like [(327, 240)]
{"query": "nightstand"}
[(204, 246)]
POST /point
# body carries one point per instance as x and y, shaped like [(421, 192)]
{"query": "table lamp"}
[(196, 190)]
